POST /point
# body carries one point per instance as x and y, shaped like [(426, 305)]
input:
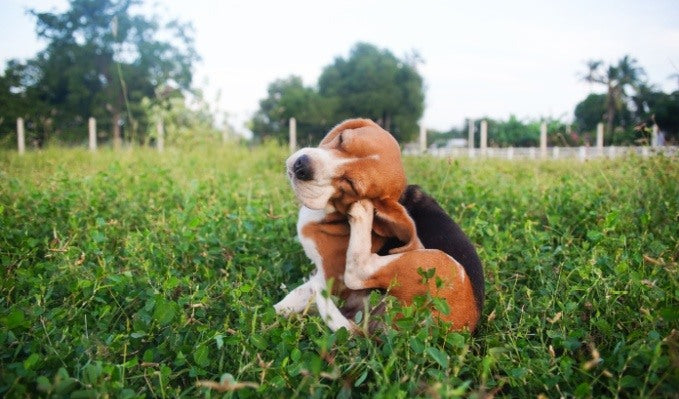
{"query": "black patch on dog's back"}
[(437, 230)]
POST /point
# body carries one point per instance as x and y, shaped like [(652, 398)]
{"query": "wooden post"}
[(600, 139), (543, 140), (484, 137), (293, 134), (117, 139), (654, 136), (21, 138), (423, 139), (160, 140), (92, 130), (470, 139)]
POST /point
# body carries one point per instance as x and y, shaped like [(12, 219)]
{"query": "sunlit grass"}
[(140, 274)]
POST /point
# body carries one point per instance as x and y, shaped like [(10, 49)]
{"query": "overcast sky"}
[(482, 58)]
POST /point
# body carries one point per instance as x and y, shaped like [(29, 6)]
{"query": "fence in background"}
[(581, 153), (543, 152), (92, 136)]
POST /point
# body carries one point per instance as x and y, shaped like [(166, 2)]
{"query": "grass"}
[(135, 274)]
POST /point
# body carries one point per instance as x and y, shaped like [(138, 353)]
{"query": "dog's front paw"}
[(352, 279), (361, 211), (281, 309)]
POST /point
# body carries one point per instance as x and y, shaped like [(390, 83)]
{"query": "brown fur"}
[(402, 279)]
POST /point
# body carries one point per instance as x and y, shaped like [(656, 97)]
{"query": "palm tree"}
[(618, 79), (676, 74)]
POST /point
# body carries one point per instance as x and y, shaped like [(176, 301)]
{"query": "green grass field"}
[(135, 274)]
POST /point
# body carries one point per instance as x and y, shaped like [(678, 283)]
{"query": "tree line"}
[(371, 83), (105, 61), (374, 83)]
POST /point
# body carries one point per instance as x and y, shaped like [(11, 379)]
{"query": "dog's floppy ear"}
[(392, 220), (346, 125)]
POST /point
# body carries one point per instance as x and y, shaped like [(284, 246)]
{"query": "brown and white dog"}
[(357, 170)]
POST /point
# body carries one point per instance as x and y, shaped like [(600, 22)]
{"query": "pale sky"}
[(482, 58)]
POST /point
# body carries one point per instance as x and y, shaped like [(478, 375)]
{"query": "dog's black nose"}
[(302, 168)]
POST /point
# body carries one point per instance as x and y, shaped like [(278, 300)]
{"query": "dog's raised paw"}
[(361, 211)]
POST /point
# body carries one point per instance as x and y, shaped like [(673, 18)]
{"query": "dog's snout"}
[(302, 168)]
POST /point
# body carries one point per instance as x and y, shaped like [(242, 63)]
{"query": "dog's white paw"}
[(281, 309), (361, 211), (352, 279)]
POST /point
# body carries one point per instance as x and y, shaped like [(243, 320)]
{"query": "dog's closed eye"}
[(351, 185)]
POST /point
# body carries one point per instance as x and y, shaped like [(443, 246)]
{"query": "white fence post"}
[(470, 139), (543, 140), (582, 153), (484, 138), (510, 153), (599, 139), (423, 139), (92, 131), (654, 135), (21, 138), (293, 134), (531, 153), (555, 152), (160, 129)]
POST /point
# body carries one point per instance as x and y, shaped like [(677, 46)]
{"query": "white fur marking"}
[(316, 193), (313, 290)]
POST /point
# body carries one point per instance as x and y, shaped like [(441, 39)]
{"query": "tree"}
[(373, 83), (102, 61), (589, 112), (513, 132), (186, 121), (654, 106), (287, 98), (618, 79)]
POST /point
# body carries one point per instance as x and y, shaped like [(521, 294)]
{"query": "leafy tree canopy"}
[(289, 98), (590, 111), (373, 83), (101, 60), (370, 83)]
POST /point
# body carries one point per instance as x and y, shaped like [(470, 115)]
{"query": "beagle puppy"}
[(358, 160)]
